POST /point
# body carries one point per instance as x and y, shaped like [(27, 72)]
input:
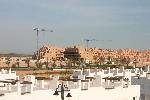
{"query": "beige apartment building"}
[(51, 52), (88, 54), (54, 54)]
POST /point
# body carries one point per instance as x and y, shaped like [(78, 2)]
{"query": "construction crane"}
[(89, 40), (94, 40)]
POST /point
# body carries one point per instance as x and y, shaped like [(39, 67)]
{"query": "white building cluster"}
[(110, 84)]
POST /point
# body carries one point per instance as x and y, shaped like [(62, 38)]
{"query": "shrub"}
[(13, 65)]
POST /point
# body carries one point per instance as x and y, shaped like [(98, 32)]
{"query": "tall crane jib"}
[(94, 40)]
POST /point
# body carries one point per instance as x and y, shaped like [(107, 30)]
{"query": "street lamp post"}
[(62, 90)]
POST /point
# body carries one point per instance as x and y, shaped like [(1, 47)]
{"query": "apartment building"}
[(89, 54)]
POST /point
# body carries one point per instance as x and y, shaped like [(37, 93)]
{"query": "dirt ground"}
[(23, 73)]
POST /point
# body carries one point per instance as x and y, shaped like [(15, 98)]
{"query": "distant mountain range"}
[(15, 55)]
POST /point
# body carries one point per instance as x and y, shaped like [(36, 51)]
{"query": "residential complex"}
[(53, 54), (90, 55)]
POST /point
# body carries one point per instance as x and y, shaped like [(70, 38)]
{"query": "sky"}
[(113, 23)]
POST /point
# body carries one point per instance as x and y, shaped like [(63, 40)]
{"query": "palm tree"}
[(54, 62), (109, 60), (61, 65), (18, 62), (46, 63), (78, 63), (7, 61), (69, 63), (123, 61), (38, 64), (135, 61), (117, 60), (27, 61), (128, 61), (101, 60)]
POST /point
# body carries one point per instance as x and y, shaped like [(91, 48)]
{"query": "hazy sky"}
[(125, 22)]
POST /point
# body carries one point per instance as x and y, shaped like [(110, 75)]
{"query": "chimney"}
[(9, 70), (108, 70), (123, 68), (31, 87), (89, 82), (116, 71), (147, 68), (42, 83), (18, 88), (79, 83), (9, 87)]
